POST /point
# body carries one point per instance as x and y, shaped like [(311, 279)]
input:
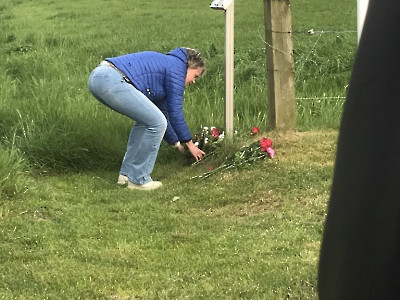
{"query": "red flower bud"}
[(255, 130), (215, 132)]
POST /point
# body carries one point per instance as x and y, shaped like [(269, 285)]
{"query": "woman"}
[(148, 88)]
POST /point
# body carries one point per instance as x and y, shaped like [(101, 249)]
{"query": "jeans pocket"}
[(100, 81)]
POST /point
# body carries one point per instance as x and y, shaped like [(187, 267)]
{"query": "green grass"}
[(50, 47), (13, 171), (249, 234), (68, 232)]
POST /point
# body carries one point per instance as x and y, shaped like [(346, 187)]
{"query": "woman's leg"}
[(141, 155), (107, 85), (134, 141)]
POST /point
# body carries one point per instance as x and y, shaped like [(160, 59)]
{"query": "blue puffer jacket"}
[(161, 77)]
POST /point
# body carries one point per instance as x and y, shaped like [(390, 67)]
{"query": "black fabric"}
[(361, 241)]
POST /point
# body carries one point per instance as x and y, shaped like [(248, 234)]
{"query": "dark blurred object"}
[(361, 243)]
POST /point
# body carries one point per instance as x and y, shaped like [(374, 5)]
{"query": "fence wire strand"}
[(310, 32)]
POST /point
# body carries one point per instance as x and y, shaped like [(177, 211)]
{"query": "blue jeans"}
[(110, 88)]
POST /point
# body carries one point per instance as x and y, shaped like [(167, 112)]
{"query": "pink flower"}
[(271, 152), (215, 132), (255, 130)]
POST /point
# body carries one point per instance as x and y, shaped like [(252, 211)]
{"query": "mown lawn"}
[(245, 234)]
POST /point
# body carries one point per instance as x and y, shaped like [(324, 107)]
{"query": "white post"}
[(228, 7), (362, 7)]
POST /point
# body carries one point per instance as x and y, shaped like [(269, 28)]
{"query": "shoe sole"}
[(141, 188)]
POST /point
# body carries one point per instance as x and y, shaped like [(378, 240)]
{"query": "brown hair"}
[(195, 60)]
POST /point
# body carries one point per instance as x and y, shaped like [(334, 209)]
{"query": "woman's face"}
[(192, 75)]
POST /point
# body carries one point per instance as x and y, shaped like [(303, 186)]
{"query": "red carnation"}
[(255, 130), (265, 143), (215, 132)]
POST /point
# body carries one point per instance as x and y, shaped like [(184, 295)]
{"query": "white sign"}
[(221, 4)]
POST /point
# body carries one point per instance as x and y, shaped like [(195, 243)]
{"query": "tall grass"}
[(50, 47), (13, 170)]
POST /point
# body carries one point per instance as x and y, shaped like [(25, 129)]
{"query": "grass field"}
[(248, 234), (67, 230)]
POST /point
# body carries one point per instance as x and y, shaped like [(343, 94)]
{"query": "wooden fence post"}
[(280, 64)]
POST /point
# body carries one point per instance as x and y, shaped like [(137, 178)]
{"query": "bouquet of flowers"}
[(249, 153), (209, 139)]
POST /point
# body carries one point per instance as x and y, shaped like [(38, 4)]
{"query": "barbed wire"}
[(322, 98), (309, 32), (312, 31), (304, 59)]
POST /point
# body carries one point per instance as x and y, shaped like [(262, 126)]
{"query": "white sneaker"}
[(122, 180), (152, 185)]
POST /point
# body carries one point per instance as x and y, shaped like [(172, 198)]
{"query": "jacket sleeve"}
[(175, 86)]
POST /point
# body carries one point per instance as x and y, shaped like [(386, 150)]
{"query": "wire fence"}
[(306, 57), (322, 98)]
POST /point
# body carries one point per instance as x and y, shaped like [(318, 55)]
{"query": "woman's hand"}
[(181, 148), (178, 146), (196, 152)]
